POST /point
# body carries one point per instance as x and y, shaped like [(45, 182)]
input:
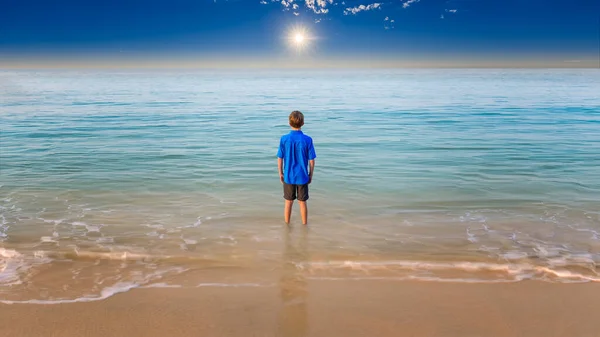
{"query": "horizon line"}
[(297, 61), (323, 66)]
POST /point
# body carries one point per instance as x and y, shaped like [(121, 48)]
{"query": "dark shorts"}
[(290, 192)]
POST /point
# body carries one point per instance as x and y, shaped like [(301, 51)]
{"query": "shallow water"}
[(113, 180)]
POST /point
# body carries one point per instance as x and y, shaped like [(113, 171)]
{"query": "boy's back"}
[(296, 162), (297, 150)]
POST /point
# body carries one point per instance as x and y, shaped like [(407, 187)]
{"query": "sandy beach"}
[(323, 308)]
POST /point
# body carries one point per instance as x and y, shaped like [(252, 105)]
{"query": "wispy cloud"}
[(287, 3), (449, 11), (407, 4), (318, 6), (388, 23), (361, 8), (322, 8)]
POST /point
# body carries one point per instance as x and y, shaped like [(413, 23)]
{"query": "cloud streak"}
[(407, 4), (321, 7), (388, 23), (318, 6), (361, 8)]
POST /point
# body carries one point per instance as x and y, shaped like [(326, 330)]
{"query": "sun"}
[(299, 37)]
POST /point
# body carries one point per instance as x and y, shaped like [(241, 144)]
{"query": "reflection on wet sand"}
[(293, 317)]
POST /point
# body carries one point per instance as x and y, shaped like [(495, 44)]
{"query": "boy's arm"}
[(280, 167), (280, 160), (311, 161)]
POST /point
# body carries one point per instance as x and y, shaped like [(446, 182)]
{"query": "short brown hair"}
[(296, 119)]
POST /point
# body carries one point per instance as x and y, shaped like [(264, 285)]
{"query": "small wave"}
[(227, 240), (47, 239), (197, 223), (159, 226), (104, 294), (162, 285), (595, 235), (233, 285), (9, 267), (512, 271), (108, 255), (190, 241), (12, 264), (92, 228), (88, 228), (412, 278), (3, 227), (55, 222), (119, 287), (77, 254), (470, 236), (514, 255), (8, 253), (105, 239)]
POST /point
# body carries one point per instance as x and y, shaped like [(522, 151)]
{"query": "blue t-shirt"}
[(296, 149)]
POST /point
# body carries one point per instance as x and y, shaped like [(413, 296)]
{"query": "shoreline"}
[(296, 306)]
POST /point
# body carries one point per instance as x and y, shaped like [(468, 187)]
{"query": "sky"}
[(336, 33)]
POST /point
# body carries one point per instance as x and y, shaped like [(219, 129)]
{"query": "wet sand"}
[(302, 307)]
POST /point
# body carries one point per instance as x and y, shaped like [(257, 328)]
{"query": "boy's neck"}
[(296, 129)]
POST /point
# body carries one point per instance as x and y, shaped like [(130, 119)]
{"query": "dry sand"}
[(323, 308)]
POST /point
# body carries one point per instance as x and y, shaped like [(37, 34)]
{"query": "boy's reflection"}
[(293, 316)]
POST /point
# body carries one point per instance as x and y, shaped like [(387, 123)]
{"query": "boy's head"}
[(296, 119)]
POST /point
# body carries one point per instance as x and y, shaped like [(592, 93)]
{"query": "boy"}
[(296, 163)]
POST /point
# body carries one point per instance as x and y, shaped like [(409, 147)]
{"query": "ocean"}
[(117, 179)]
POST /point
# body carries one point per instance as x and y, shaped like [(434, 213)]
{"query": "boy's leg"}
[(288, 211), (303, 211), (302, 198), (289, 194)]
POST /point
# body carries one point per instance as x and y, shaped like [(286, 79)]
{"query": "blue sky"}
[(367, 30)]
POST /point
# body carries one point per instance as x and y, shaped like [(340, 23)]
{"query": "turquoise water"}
[(500, 166)]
